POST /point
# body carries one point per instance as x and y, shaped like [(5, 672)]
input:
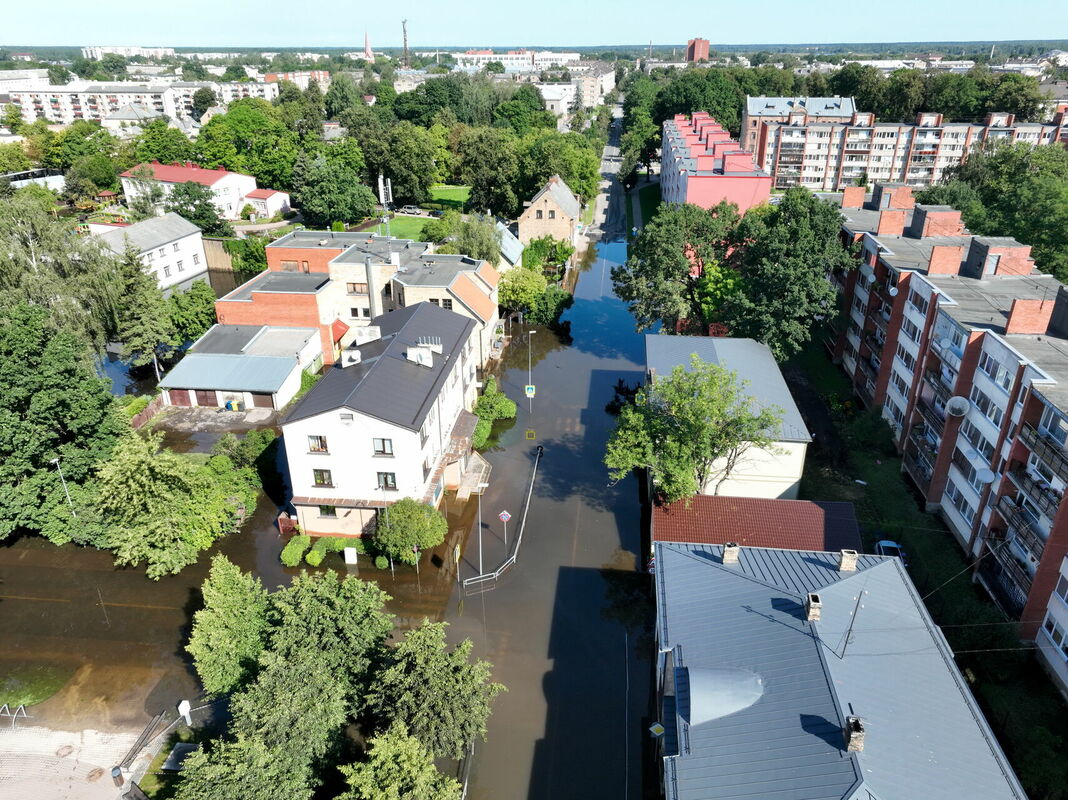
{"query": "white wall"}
[(176, 262), (1050, 654), (761, 473)]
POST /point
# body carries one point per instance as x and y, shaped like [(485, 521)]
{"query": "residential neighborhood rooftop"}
[(813, 106), (229, 372), (149, 234), (179, 173), (271, 281), (562, 194), (253, 340)]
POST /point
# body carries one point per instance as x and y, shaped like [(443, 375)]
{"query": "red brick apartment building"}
[(963, 346)]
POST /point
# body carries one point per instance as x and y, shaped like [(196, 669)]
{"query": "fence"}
[(513, 557), (149, 411)]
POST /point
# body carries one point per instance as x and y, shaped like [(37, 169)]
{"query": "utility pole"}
[(407, 60)]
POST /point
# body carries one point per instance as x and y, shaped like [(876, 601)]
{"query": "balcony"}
[(873, 343), (1047, 448), (1023, 526), (918, 465), (1009, 589), (941, 387), (870, 370), (866, 392), (1010, 565), (931, 415), (1038, 491)]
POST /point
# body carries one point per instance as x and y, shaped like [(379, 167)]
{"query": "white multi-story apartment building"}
[(98, 52), (95, 101), (593, 80), (517, 60), (231, 191), (171, 248), (390, 420), (806, 149)]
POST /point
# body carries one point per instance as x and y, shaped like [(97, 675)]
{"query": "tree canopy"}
[(690, 429), (197, 204), (398, 767), (408, 527)]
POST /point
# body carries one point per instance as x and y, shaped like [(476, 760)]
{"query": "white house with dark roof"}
[(171, 248), (798, 675), (389, 420), (772, 473)]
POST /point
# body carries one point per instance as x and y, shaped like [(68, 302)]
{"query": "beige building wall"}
[(761, 473), (552, 222)]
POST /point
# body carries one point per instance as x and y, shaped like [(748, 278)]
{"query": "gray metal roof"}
[(761, 694), (286, 282), (149, 234), (511, 247), (813, 106), (230, 373), (133, 112), (562, 194), (748, 358), (253, 340), (435, 269), (385, 384)]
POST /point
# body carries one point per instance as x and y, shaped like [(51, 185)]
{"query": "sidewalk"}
[(44, 764)]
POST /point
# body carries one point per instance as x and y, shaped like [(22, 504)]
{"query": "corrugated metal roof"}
[(751, 360), (229, 373), (511, 247), (874, 654), (149, 234), (562, 194)]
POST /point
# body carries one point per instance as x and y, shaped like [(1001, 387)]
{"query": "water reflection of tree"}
[(629, 600), (544, 342)]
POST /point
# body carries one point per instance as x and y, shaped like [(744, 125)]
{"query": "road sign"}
[(530, 434), (504, 516), (530, 390)]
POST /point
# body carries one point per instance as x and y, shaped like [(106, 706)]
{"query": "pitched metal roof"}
[(149, 234), (385, 384), (813, 106), (562, 194), (230, 373), (180, 173), (511, 247), (757, 522), (748, 358), (762, 694)]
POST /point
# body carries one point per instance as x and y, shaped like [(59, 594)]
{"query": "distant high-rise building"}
[(697, 50)]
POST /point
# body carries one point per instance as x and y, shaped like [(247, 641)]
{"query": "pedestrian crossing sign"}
[(530, 434), (530, 390)]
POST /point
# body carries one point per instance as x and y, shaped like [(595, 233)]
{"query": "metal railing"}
[(938, 384), (930, 415), (1040, 493), (1023, 526), (1010, 566), (513, 557), (1046, 448)]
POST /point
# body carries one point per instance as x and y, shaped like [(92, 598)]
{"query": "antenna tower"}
[(407, 60)]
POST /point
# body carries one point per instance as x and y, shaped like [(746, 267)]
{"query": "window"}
[(969, 472), (354, 312), (162, 252), (986, 406), (383, 447), (434, 301), (552, 214), (538, 214), (910, 329), (289, 266), (447, 305), (906, 357), (196, 258), (387, 480), (304, 266), (976, 439), (1055, 425), (995, 371), (1062, 588), (899, 384), (317, 444), (149, 256), (957, 499), (166, 272), (347, 419), (328, 511), (356, 288), (180, 267), (1056, 634), (176, 247), (366, 312), (323, 477)]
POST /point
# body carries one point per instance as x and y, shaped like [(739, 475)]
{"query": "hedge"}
[(295, 548)]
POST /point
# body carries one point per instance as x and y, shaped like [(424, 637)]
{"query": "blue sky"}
[(269, 23)]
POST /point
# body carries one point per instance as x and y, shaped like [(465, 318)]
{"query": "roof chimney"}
[(847, 561), (854, 735), (891, 222), (374, 299), (1029, 316), (853, 197), (813, 604), (730, 553)]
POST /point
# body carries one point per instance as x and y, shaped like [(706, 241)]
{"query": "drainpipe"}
[(372, 289)]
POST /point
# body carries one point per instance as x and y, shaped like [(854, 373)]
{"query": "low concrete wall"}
[(139, 420)]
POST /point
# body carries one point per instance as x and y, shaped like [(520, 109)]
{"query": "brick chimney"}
[(854, 735), (847, 561), (853, 197), (730, 553), (1029, 316), (945, 259), (1013, 260), (891, 222), (901, 197), (813, 604), (935, 221)]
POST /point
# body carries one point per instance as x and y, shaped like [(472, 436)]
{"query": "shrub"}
[(494, 404), (547, 307), (381, 562), (483, 429), (132, 405), (337, 226), (295, 548), (314, 557)]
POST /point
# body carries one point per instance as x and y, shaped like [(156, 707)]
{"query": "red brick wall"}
[(1029, 316), (901, 197), (317, 257), (282, 309), (945, 260), (853, 197), (891, 222), (942, 223), (1045, 576), (1013, 261)]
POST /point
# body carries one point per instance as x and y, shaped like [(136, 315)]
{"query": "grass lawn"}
[(403, 227), (649, 201), (1026, 711), (444, 196), (28, 684)]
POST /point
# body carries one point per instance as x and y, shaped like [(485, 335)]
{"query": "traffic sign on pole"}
[(504, 516), (530, 390)]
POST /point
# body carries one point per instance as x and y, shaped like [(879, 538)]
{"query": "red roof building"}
[(758, 522), (180, 173)]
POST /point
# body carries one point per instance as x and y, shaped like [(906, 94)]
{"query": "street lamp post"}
[(530, 339), (73, 513), (481, 488)]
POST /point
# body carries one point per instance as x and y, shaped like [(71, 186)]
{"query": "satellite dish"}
[(958, 406), (892, 291), (945, 344), (985, 476)]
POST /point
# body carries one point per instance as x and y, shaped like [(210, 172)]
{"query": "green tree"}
[(494, 67), (398, 767), (58, 75), (570, 155), (327, 192), (661, 278), (159, 142), (1017, 94), (251, 137), (245, 768), (548, 307), (196, 203), (642, 138), (489, 164), (230, 632), (521, 287), (342, 95), (477, 236), (80, 138), (547, 254), (903, 95), (203, 99), (144, 326), (788, 254), (52, 405), (234, 73), (690, 428), (12, 119), (955, 96), (13, 158), (407, 528), (89, 175), (439, 695), (409, 162), (863, 83)]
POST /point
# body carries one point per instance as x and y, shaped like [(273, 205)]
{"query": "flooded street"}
[(567, 629)]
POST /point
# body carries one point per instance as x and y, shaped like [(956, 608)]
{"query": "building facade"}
[(231, 191), (171, 249), (697, 50), (517, 60), (780, 109), (97, 52), (554, 211), (389, 421), (825, 154), (963, 346), (701, 164), (303, 78)]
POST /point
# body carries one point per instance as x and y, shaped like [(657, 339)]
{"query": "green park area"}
[(28, 684), (404, 227), (444, 197)]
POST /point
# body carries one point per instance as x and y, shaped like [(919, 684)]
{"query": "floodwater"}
[(568, 629)]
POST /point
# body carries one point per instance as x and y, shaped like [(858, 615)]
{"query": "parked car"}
[(887, 547), (410, 210), (437, 213)]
